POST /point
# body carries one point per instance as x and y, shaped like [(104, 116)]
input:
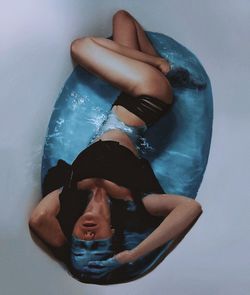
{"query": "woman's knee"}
[(75, 45), (80, 43), (37, 217), (121, 14)]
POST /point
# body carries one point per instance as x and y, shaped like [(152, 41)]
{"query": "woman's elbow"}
[(196, 206), (36, 219)]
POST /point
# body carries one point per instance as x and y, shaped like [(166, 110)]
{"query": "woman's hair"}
[(82, 251)]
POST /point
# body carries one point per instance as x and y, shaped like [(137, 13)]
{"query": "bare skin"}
[(136, 69), (94, 224)]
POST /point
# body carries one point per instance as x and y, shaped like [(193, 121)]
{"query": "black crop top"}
[(103, 159), (113, 161)]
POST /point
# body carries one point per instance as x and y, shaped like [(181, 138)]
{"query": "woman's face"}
[(95, 224)]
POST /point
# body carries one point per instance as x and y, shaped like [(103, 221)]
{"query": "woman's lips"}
[(89, 221), (89, 224)]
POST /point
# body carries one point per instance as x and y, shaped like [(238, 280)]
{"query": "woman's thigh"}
[(129, 75)]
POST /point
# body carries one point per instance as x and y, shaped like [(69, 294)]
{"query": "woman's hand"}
[(163, 65), (125, 257), (99, 269)]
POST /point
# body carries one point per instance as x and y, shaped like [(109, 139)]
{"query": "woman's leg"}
[(131, 75), (128, 51), (128, 32), (129, 39)]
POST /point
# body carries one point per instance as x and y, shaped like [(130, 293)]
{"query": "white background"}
[(35, 37)]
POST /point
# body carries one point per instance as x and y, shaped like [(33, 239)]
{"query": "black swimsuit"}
[(108, 160), (112, 161), (147, 108), (103, 159)]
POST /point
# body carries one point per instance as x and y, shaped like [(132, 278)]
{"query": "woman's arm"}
[(180, 212), (43, 220)]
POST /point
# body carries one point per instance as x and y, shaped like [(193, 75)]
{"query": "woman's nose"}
[(89, 235)]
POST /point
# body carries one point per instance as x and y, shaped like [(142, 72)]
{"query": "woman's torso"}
[(117, 135), (114, 190)]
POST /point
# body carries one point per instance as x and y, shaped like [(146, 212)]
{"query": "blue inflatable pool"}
[(177, 146)]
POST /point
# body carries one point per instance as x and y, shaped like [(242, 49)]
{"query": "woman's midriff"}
[(117, 135), (114, 190)]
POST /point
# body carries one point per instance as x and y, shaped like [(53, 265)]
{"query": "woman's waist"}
[(118, 136), (120, 127)]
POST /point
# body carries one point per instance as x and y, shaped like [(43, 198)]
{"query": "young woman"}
[(111, 166)]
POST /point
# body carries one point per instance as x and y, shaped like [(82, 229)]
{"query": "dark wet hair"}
[(83, 251)]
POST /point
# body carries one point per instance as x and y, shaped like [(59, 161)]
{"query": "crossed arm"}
[(179, 211), (43, 220), (181, 214)]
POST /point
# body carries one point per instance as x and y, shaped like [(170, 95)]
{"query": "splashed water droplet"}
[(144, 146), (76, 99)]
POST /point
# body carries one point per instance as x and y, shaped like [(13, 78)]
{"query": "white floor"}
[(35, 38)]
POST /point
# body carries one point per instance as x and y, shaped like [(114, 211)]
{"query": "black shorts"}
[(147, 108)]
